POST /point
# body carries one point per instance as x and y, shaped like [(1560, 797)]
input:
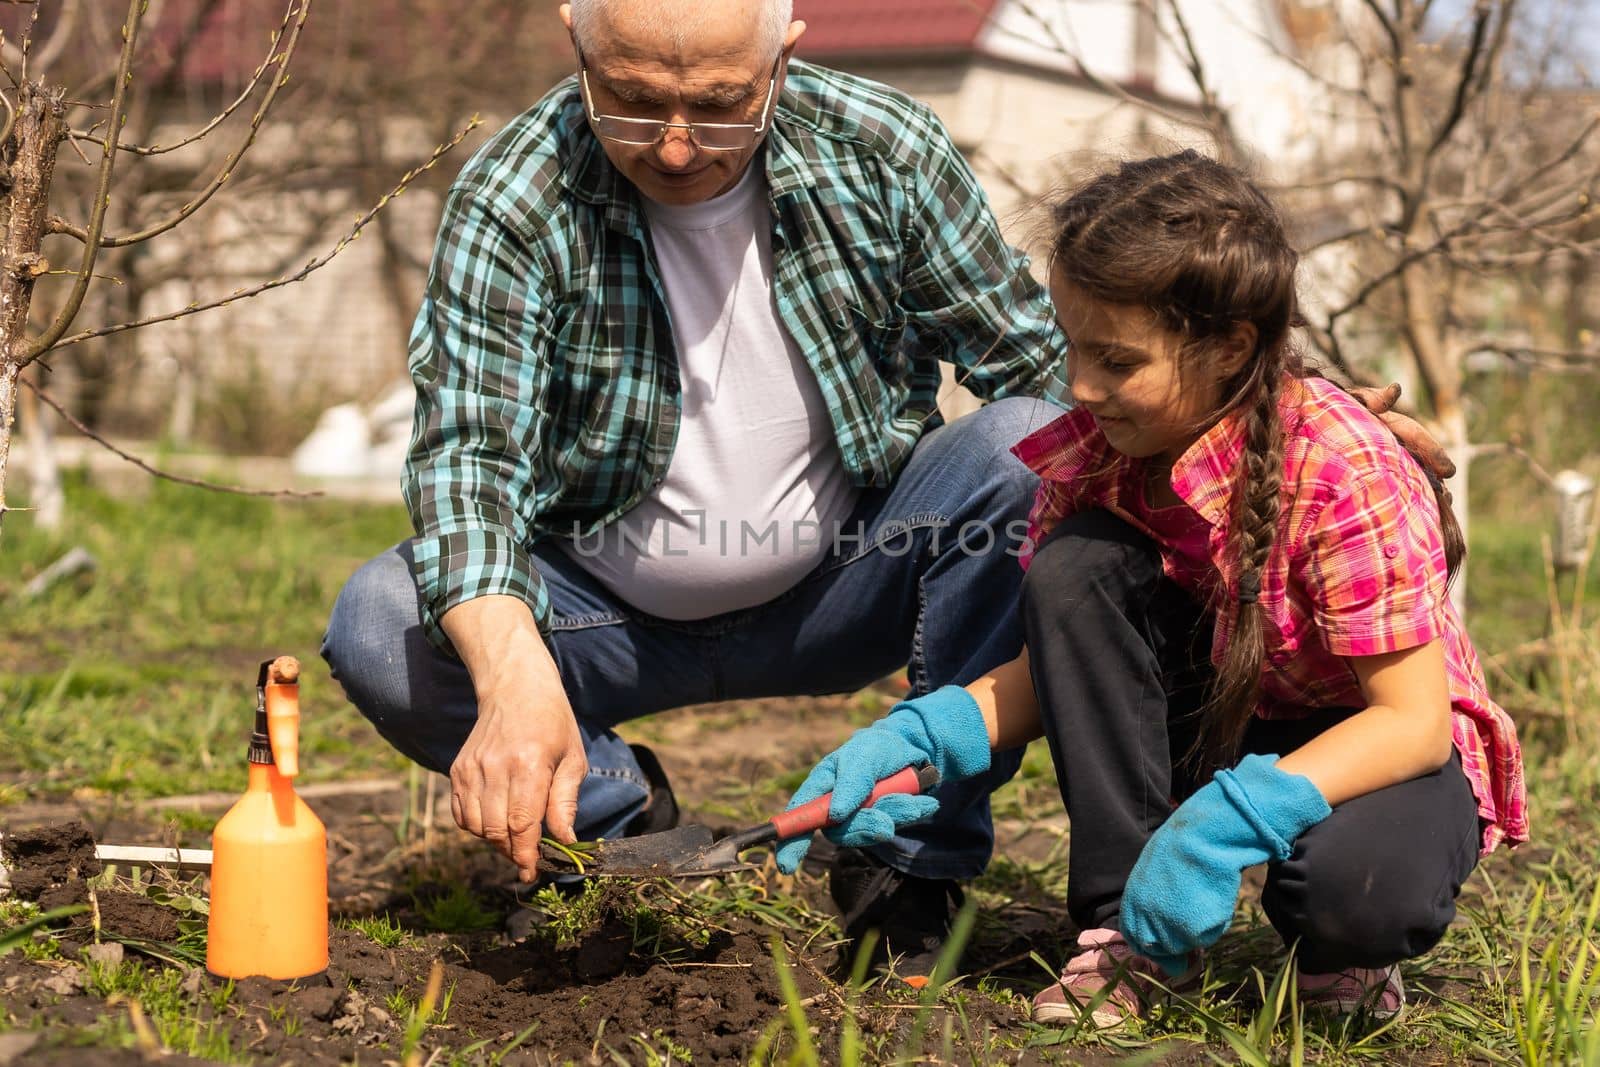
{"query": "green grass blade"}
[(22, 934)]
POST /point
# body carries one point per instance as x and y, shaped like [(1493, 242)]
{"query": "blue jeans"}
[(932, 582)]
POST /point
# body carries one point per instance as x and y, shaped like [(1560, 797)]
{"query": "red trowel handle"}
[(813, 815)]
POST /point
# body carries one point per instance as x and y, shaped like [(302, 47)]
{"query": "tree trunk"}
[(1453, 431), (45, 495), (36, 136), (8, 417), (185, 401), (1425, 302)]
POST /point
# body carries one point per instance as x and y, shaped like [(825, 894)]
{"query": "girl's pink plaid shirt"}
[(1358, 568)]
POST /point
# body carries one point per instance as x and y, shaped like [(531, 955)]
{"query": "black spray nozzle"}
[(260, 742)]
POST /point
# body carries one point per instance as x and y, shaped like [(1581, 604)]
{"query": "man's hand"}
[(1409, 431), (521, 766)]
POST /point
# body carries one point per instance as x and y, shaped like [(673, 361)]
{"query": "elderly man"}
[(676, 438)]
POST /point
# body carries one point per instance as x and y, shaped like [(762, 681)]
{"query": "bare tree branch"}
[(219, 119), (1305, 69), (11, 117), (226, 170), (1516, 451), (175, 60), (1482, 12), (198, 483), (1218, 119), (97, 215), (1341, 237), (1578, 360), (58, 37), (1419, 252), (278, 283), (27, 40), (1007, 174), (1386, 24), (1381, 181)]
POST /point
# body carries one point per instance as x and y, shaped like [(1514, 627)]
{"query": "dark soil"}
[(606, 994), (712, 996), (49, 864)]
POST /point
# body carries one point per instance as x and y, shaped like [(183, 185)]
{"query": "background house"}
[(1037, 93), (1033, 91)]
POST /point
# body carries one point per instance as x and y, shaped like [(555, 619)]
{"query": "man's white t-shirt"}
[(756, 488)]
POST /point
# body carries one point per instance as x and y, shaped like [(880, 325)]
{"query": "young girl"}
[(1239, 643)]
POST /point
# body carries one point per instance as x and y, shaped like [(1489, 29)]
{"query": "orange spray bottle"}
[(269, 864)]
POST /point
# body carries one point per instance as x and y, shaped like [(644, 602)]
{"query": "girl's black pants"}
[(1120, 660)]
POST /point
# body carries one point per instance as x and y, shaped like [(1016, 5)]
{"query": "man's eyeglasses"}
[(711, 136)]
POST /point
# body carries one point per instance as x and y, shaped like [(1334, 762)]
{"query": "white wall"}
[(1242, 44)]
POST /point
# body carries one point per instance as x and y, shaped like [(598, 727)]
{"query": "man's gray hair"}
[(678, 22)]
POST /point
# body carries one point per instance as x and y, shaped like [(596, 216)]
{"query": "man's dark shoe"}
[(912, 915), (660, 811)]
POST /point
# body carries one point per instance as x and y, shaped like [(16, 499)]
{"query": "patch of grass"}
[(671, 921), (1032, 793), (457, 911), (1507, 600), (481, 1053), (567, 916), (25, 928), (789, 1039), (158, 1007), (14, 911), (183, 821), (1557, 988), (661, 924), (381, 930), (657, 1050), (1009, 879), (431, 1009), (192, 591), (751, 897)]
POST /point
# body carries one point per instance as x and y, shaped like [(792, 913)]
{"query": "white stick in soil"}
[(154, 856)]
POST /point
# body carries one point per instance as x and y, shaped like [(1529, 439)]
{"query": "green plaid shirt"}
[(543, 356)]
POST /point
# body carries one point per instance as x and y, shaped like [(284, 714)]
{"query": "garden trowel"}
[(691, 851)]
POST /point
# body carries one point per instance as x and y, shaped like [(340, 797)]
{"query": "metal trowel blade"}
[(674, 853)]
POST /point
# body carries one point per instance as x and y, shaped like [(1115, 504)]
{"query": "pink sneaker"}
[(1105, 960), (1378, 992)]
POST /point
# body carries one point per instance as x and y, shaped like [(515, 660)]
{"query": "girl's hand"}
[(944, 729), (1181, 893)]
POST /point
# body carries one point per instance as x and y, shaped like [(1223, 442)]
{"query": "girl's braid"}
[(1253, 532)]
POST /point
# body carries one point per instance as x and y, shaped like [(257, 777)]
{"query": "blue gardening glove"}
[(1181, 893), (944, 728)]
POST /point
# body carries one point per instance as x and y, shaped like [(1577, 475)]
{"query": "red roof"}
[(843, 27), (233, 36)]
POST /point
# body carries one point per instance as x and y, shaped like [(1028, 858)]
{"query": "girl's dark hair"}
[(1202, 248)]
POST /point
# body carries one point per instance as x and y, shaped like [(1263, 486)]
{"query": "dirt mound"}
[(48, 865)]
